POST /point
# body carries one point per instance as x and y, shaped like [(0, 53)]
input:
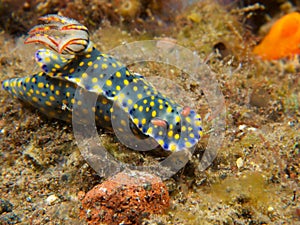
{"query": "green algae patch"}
[(249, 188)]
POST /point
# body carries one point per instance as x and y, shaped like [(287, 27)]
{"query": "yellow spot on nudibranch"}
[(188, 119), (144, 121), (35, 99), (153, 113), (47, 59), (118, 74), (40, 85), (77, 80), (188, 144), (150, 130), (123, 123), (169, 109), (135, 121), (109, 83), (84, 75), (126, 82), (48, 103), (172, 147), (97, 89), (161, 142), (104, 66), (104, 101)]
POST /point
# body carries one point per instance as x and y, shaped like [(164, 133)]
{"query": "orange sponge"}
[(283, 40)]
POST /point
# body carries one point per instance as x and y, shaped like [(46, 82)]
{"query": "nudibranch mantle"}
[(73, 62)]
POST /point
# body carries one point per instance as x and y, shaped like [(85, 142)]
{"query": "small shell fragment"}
[(239, 162)]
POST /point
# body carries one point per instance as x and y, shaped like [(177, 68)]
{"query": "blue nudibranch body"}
[(73, 62)]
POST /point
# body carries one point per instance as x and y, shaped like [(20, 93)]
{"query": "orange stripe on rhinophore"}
[(72, 41), (74, 27), (32, 39), (42, 28), (51, 18)]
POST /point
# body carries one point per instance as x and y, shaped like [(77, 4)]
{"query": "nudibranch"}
[(71, 61), (283, 39)]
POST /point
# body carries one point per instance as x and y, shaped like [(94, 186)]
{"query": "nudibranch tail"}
[(74, 63), (47, 94), (55, 98)]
